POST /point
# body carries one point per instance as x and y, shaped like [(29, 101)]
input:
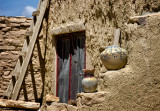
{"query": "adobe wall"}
[(12, 36), (136, 87)]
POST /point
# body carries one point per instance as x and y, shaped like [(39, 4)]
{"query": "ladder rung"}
[(16, 74), (21, 53), (35, 13), (7, 94), (28, 33)]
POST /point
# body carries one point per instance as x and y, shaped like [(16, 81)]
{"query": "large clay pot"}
[(114, 57), (89, 82)]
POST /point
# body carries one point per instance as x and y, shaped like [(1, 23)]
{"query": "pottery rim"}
[(88, 71)]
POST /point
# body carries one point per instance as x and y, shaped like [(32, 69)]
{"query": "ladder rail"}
[(18, 66), (29, 50)]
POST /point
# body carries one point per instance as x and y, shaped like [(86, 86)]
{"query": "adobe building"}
[(72, 36), (135, 87)]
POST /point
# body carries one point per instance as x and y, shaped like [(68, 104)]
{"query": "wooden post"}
[(24, 90), (116, 37), (33, 82)]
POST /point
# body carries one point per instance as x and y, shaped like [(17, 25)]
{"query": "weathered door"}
[(71, 61)]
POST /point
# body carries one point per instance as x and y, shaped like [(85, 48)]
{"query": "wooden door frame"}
[(70, 67)]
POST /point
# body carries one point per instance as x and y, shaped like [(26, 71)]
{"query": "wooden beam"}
[(30, 50), (19, 104), (69, 28)]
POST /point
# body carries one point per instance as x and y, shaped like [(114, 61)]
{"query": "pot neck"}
[(88, 75)]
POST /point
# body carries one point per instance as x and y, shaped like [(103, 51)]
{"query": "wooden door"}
[(71, 61)]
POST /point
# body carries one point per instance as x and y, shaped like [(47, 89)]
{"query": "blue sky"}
[(17, 7)]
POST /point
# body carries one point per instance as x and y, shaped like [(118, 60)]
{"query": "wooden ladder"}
[(18, 74)]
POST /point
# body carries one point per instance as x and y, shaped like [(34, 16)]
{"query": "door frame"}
[(70, 66)]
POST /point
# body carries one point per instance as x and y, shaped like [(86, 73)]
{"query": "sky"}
[(18, 7)]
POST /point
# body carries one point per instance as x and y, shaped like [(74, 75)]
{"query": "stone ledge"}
[(61, 107), (51, 98), (69, 28), (89, 99)]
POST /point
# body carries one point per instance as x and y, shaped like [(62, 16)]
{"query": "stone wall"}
[(12, 36)]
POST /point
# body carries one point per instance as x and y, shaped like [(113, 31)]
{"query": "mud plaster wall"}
[(101, 18), (137, 86), (12, 36)]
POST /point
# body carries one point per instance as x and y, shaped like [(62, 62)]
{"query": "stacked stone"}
[(12, 36)]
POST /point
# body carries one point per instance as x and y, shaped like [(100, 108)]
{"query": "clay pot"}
[(114, 57), (89, 82)]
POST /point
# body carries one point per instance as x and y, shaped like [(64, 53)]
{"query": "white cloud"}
[(28, 11)]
